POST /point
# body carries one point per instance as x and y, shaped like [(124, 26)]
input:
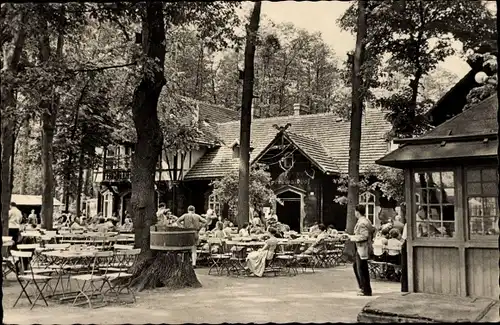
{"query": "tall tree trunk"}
[(79, 185), (12, 55), (49, 116), (24, 156), (356, 118), (246, 116), (149, 134), (498, 90)]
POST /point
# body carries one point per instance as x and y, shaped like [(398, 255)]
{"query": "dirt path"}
[(328, 295)]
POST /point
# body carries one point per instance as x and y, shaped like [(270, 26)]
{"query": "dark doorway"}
[(289, 213)]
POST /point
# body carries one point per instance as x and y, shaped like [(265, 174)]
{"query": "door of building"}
[(289, 212)]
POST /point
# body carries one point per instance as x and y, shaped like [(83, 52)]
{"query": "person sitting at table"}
[(76, 225), (244, 230), (211, 219), (102, 226), (257, 230), (379, 244), (332, 232), (127, 225), (317, 246), (314, 228), (32, 220), (256, 260), (227, 229), (394, 245)]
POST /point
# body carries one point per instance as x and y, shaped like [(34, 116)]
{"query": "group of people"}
[(392, 234)]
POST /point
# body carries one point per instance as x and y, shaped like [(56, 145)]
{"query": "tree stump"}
[(169, 262), (171, 269)]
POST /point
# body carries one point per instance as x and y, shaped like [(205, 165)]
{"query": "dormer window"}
[(235, 146), (236, 151), (288, 161)]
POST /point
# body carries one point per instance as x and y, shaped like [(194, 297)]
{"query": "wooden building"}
[(452, 204), (305, 154)]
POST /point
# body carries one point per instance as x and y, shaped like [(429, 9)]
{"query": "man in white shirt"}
[(15, 219)]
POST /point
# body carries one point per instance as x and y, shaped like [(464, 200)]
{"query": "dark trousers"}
[(362, 274), (404, 269), (14, 233)]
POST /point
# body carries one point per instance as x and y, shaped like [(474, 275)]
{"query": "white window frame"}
[(214, 204), (107, 204), (364, 199)]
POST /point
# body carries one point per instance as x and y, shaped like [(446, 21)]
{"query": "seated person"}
[(257, 230), (398, 223), (228, 231), (128, 225), (256, 260), (332, 231), (76, 225), (379, 244), (314, 227), (317, 246), (394, 245), (168, 217), (256, 220), (244, 231), (219, 230)]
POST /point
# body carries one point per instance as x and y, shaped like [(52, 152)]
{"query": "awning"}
[(413, 154), (31, 200)]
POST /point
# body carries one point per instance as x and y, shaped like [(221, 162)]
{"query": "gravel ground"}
[(328, 295)]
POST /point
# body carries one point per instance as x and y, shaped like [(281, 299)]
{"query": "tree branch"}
[(105, 67)]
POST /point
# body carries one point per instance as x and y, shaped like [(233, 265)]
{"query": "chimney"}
[(300, 109)]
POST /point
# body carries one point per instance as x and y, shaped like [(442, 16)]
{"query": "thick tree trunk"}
[(149, 135), (356, 119), (79, 185), (49, 114), (11, 55), (246, 117)]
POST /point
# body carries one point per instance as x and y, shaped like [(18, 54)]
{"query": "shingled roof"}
[(324, 137), (471, 134)]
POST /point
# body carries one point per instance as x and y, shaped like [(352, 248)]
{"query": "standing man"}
[(363, 233), (15, 219), (404, 260), (194, 221)]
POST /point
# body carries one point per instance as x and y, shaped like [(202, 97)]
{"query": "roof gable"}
[(479, 119), (471, 134), (328, 130)]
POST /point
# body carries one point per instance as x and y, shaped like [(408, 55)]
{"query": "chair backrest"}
[(52, 233), (27, 246), (6, 238), (102, 261), (57, 246), (123, 247), (18, 260)]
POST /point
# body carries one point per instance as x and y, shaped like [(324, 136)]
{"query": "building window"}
[(435, 204), (214, 204), (368, 200), (482, 202), (107, 207)]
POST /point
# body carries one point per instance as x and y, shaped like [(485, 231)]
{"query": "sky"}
[(322, 17)]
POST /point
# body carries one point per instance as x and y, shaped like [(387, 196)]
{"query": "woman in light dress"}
[(256, 260)]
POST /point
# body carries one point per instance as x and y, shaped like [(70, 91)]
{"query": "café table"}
[(63, 261)]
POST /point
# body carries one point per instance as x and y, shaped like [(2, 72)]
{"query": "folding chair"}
[(124, 259), (101, 261), (26, 279), (218, 258)]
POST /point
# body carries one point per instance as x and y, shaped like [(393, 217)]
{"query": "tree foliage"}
[(261, 194), (415, 36)]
